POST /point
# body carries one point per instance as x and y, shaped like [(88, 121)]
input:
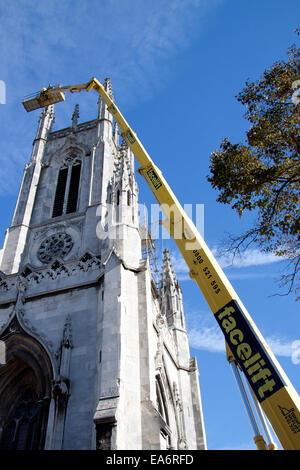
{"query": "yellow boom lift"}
[(247, 351)]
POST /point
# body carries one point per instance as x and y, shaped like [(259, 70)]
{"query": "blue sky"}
[(175, 66)]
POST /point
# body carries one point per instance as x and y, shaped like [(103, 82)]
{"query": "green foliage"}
[(263, 174)]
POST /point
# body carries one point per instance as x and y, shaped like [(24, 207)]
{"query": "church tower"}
[(97, 356)]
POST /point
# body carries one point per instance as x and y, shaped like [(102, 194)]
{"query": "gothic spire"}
[(171, 297), (45, 122), (168, 273), (104, 116), (124, 168), (108, 88)]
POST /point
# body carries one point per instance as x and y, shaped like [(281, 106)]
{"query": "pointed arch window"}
[(162, 406), (118, 208), (128, 198), (73, 189), (161, 399), (21, 432), (118, 197), (67, 188)]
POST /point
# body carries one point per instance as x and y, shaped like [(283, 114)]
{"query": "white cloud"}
[(210, 338), (233, 276), (280, 346), (203, 331), (249, 258)]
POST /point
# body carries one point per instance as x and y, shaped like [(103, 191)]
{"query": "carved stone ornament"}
[(182, 444), (56, 246)]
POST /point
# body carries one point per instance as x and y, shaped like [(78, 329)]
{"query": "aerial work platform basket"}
[(42, 98)]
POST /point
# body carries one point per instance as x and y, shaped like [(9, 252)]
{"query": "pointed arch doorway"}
[(25, 391)]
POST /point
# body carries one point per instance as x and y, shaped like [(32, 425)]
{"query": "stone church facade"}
[(97, 356)]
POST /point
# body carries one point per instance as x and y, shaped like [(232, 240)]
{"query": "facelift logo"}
[(247, 350), (154, 178)]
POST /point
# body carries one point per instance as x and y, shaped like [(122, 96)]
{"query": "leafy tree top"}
[(263, 174)]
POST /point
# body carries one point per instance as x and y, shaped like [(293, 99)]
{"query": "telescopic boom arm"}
[(244, 343)]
